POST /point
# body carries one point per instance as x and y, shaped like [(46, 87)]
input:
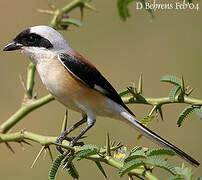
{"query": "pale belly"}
[(71, 92)]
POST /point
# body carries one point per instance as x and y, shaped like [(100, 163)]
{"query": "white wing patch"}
[(100, 89)]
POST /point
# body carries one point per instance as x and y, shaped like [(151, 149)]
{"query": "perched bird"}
[(77, 84)]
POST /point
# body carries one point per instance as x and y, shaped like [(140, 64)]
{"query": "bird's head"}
[(39, 42)]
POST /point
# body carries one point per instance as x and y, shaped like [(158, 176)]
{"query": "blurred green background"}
[(171, 44)]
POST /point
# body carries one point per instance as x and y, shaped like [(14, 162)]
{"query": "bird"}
[(77, 84)]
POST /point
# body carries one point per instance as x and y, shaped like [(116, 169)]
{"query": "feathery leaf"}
[(184, 114), (171, 79), (184, 172), (177, 177), (173, 93), (159, 162), (54, 167), (198, 110), (155, 152), (129, 166), (72, 171), (123, 92), (135, 155), (86, 150)]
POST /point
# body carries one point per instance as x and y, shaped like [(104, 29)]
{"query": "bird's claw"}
[(60, 139)]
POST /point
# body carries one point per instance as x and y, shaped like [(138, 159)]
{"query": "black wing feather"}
[(92, 77)]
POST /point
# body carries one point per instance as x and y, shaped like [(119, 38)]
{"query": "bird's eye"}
[(32, 38)]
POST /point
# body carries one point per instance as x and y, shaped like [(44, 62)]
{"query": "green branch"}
[(160, 101), (23, 111), (61, 14), (30, 80), (50, 140)]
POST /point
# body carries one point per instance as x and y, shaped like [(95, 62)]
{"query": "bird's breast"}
[(68, 89)]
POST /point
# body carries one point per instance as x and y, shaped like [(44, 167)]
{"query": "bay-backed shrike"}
[(77, 84)]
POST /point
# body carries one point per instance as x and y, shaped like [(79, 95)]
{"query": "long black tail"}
[(156, 138)]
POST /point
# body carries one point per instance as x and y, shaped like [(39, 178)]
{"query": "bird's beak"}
[(12, 46)]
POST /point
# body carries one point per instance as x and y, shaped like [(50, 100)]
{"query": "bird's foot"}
[(72, 143)]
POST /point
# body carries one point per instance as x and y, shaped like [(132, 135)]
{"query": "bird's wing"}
[(83, 70)]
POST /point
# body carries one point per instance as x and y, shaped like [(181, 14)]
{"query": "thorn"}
[(46, 11), (23, 83), (67, 160), (182, 81), (108, 150), (139, 136), (153, 109), (118, 144), (45, 153), (38, 155), (140, 85), (130, 177), (21, 145), (50, 153), (189, 90), (160, 112), (9, 147), (101, 169), (81, 10), (26, 142), (64, 124), (88, 6), (131, 90), (113, 143)]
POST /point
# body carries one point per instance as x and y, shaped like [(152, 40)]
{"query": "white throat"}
[(38, 55)]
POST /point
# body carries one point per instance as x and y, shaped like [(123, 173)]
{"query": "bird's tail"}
[(156, 138)]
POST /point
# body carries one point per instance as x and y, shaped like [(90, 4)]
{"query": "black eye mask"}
[(28, 39)]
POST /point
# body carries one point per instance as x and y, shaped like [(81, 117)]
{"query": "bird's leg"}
[(90, 124), (72, 143), (63, 135)]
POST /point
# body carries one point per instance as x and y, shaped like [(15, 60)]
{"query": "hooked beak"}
[(12, 46)]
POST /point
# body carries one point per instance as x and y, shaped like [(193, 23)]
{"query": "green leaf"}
[(123, 92), (171, 79), (70, 21), (198, 111), (123, 8), (159, 162), (173, 93), (88, 147), (86, 150), (177, 177), (184, 114), (199, 178), (157, 152), (184, 172), (72, 171), (101, 168), (127, 167), (147, 120), (135, 155), (54, 167)]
